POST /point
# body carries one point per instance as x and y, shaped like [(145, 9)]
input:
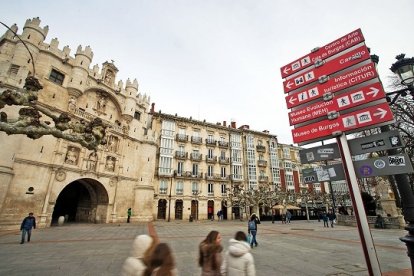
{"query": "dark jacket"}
[(331, 216), (28, 223)]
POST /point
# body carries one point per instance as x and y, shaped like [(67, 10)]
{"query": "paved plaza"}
[(299, 248)]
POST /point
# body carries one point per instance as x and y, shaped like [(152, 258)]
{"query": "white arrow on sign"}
[(292, 100), (373, 91), (286, 70), (381, 113), (289, 84)]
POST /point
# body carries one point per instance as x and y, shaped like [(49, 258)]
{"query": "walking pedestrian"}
[(136, 264), (219, 215), (210, 258), (161, 262), (288, 216), (28, 223), (325, 219), (129, 212), (238, 260), (252, 228), (331, 217)]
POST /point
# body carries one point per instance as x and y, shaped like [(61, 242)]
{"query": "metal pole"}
[(169, 200), (361, 218)]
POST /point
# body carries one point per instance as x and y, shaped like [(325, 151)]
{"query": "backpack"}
[(252, 225)]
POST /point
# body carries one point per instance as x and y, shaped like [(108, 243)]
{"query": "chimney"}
[(224, 123), (233, 124), (152, 108)]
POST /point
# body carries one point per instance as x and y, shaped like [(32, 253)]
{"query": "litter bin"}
[(191, 218)]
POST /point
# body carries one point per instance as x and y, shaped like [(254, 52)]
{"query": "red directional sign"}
[(343, 61), (322, 53), (358, 119), (344, 101), (334, 84)]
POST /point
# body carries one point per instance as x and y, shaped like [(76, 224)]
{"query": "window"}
[(163, 187), (223, 189), (210, 171), (180, 167), (210, 189), (137, 115), (179, 188), (194, 188), (195, 169), (14, 69), (223, 172), (210, 153), (56, 77)]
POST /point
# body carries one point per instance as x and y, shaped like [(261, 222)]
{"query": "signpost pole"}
[(361, 218)]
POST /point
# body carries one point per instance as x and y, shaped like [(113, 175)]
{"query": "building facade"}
[(160, 165), (53, 177)]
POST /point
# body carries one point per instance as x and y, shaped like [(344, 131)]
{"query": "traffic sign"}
[(334, 84), (337, 64), (322, 53), (386, 165), (377, 142), (344, 123), (344, 101)]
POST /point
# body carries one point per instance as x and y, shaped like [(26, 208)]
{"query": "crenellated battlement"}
[(32, 27), (87, 52), (35, 25)]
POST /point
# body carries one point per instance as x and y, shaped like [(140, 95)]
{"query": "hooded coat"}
[(134, 265), (238, 260)]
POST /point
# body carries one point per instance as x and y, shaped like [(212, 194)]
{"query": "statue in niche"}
[(109, 77), (101, 103), (110, 163), (113, 143), (92, 160), (72, 156), (72, 104)]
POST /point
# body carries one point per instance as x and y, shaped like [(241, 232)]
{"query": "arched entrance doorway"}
[(83, 200), (178, 209), (210, 209), (194, 209), (162, 209)]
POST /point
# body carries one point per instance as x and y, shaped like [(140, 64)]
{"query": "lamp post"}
[(169, 197), (404, 68)]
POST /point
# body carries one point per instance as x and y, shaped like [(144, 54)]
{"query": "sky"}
[(217, 60)]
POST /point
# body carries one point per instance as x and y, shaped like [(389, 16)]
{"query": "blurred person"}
[(142, 248), (210, 258), (161, 262), (238, 260)]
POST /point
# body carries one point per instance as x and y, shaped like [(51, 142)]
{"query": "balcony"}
[(181, 155), (179, 191), (224, 160), (211, 159), (196, 156), (223, 144), (210, 194), (181, 138), (163, 191), (211, 142), (260, 148), (188, 175), (236, 177), (262, 163), (263, 178), (217, 177), (196, 140)]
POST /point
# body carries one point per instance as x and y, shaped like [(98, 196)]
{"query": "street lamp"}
[(404, 68)]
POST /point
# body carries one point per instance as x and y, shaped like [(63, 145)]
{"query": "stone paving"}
[(299, 248)]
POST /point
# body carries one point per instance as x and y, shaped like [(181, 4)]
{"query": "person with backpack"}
[(252, 229), (28, 223)]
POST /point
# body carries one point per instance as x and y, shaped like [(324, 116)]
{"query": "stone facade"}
[(34, 174)]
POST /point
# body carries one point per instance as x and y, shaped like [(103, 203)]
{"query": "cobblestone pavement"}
[(299, 248)]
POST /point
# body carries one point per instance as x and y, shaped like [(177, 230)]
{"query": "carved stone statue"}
[(72, 104), (101, 104), (93, 158), (110, 163), (72, 156)]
